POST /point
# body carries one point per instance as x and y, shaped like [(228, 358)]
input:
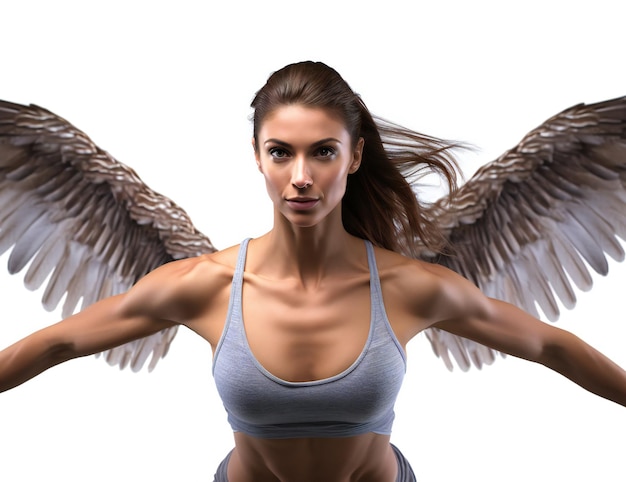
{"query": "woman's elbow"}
[(562, 351)]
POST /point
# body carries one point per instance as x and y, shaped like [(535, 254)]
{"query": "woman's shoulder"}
[(211, 266), (215, 269), (412, 276), (393, 261)]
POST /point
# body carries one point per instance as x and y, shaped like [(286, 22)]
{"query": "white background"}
[(165, 87)]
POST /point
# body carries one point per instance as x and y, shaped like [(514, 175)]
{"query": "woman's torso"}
[(303, 333)]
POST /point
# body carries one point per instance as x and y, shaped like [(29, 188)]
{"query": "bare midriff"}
[(363, 458)]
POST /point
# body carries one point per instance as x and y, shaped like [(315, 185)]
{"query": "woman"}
[(329, 297)]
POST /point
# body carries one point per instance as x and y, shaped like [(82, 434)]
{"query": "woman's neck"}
[(308, 254)]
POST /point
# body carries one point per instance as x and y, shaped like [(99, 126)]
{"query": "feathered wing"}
[(82, 222), (529, 227)]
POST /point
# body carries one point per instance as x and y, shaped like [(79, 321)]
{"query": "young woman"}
[(309, 322)]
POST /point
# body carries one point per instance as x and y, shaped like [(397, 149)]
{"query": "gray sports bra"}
[(359, 400)]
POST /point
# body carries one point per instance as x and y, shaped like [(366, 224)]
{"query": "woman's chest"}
[(301, 334)]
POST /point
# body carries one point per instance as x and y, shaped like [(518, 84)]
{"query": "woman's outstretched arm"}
[(163, 298), (506, 328), (103, 325)]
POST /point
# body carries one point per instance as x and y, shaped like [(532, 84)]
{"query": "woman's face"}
[(305, 155)]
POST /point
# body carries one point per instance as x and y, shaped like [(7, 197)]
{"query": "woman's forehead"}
[(298, 119)]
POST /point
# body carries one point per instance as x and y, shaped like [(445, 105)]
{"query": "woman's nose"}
[(301, 177)]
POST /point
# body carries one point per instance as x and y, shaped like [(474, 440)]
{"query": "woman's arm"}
[(158, 301), (504, 327), (101, 326)]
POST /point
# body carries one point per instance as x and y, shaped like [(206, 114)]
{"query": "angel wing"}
[(82, 222), (528, 227)]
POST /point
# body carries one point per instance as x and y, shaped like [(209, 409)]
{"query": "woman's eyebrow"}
[(315, 144)]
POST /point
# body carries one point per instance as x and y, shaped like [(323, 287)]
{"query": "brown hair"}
[(380, 204)]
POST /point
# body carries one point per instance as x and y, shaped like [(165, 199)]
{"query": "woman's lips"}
[(302, 204)]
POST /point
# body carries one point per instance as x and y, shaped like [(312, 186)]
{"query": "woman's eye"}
[(278, 153), (326, 152)]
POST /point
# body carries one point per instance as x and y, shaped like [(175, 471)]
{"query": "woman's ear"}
[(357, 155), (256, 156)]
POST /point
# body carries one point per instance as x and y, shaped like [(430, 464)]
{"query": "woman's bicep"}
[(141, 311), (169, 295), (106, 324), (503, 327), (463, 310)]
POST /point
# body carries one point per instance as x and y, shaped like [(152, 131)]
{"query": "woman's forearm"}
[(29, 357), (584, 365)]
